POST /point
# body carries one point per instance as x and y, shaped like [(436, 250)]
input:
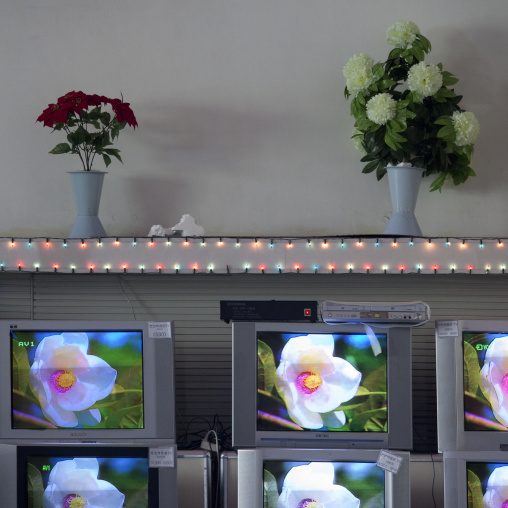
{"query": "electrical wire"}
[(429, 450)]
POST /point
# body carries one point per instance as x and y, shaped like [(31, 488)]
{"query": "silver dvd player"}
[(408, 313)]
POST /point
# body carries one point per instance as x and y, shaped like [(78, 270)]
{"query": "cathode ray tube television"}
[(475, 478), (344, 478), (314, 385), (86, 381), (472, 394), (69, 475)]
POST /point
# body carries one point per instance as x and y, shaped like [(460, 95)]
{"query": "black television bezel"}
[(24, 452)]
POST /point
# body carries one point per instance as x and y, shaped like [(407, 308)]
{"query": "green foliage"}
[(87, 144), (471, 369), (270, 490), (367, 410), (20, 367), (474, 491), (138, 499), (373, 420), (118, 418), (422, 131), (266, 367), (35, 487)]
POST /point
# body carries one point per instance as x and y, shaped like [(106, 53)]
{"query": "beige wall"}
[(243, 123)]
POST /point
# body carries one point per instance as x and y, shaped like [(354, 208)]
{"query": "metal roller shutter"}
[(203, 342)]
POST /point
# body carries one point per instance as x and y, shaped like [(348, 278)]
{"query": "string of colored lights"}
[(256, 255)]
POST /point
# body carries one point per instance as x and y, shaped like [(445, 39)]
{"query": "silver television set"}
[(472, 384), (315, 385), (475, 479), (86, 381), (282, 477)]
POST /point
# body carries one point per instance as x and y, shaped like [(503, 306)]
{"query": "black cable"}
[(433, 463)]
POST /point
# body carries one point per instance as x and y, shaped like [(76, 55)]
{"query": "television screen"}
[(487, 483), (286, 478), (71, 381), (475, 479), (485, 386), (472, 386), (345, 484), (321, 386), (321, 381), (85, 379), (67, 477)]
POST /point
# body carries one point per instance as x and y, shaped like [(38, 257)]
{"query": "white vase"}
[(404, 186), (87, 189)]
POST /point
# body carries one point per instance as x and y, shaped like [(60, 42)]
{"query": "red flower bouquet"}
[(90, 130)]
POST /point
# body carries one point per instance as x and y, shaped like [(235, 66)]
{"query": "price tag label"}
[(162, 457), (159, 330), (447, 329), (389, 461)]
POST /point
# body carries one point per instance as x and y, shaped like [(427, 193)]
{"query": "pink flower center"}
[(74, 501), (505, 504), (504, 383), (308, 382), (62, 381), (309, 503)]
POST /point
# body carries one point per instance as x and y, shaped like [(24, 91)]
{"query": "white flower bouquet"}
[(405, 111)]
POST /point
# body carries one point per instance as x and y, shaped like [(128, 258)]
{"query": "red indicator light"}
[(306, 312)]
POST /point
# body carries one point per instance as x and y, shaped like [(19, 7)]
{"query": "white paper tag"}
[(447, 329), (159, 330), (162, 457), (389, 461)]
